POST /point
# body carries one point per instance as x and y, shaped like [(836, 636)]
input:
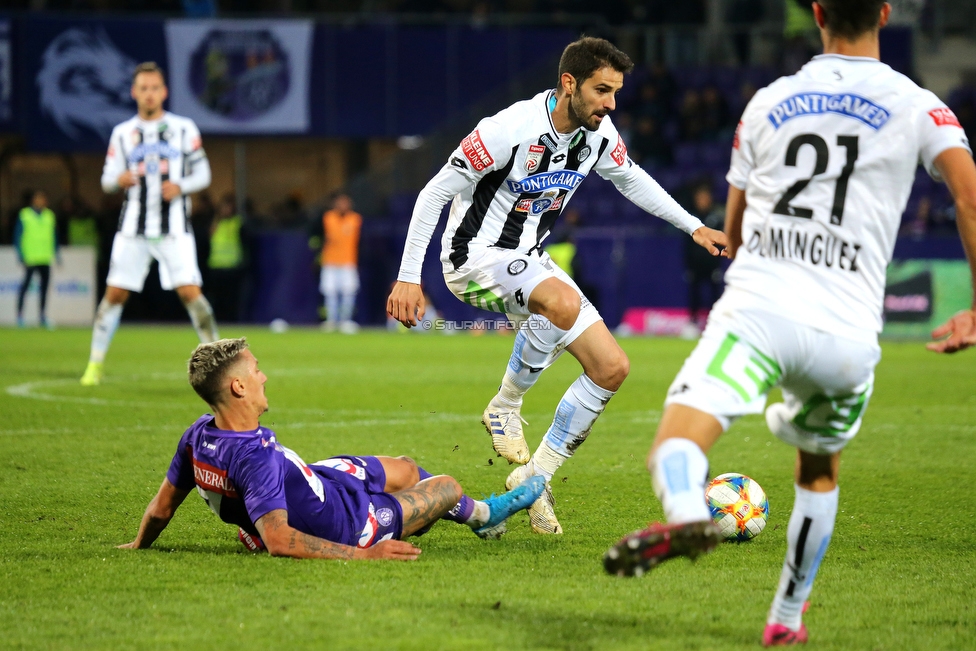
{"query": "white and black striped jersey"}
[(167, 149), (511, 178), (827, 158)]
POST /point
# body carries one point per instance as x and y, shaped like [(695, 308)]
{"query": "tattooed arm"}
[(281, 539), (158, 514)]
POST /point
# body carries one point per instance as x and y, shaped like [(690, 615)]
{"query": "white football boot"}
[(504, 424), (542, 517)]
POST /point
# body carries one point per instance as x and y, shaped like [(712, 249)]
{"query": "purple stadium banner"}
[(236, 76)]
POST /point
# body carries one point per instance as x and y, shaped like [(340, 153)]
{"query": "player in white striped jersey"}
[(157, 159), (822, 166), (509, 181)]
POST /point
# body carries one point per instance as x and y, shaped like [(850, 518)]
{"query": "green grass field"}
[(79, 465)]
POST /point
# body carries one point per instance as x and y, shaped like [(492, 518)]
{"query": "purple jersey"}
[(245, 475)]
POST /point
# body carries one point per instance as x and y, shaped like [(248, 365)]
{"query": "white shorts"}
[(500, 280), (132, 255), (339, 279), (826, 379)]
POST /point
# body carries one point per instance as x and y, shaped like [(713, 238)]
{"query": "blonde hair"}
[(148, 66), (209, 364)]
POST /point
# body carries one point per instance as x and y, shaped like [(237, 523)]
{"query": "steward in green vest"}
[(226, 262), (37, 245)]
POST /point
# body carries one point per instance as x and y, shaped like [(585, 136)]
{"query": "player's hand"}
[(713, 241), (131, 545), (392, 550), (958, 333), (171, 190), (406, 303), (127, 179)]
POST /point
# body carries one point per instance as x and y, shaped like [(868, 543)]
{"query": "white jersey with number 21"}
[(827, 158)]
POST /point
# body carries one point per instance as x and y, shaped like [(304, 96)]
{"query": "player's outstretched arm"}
[(158, 514), (735, 207), (957, 168), (406, 303), (282, 539), (713, 241)]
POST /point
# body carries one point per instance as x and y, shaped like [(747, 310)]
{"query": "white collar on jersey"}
[(845, 57)]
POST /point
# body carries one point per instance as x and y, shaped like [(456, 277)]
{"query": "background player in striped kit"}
[(509, 181), (823, 162), (157, 159)]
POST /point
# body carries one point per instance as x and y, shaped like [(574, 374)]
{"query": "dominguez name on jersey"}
[(845, 104), (556, 180), (823, 250)]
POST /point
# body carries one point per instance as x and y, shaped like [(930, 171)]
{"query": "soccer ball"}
[(738, 504)]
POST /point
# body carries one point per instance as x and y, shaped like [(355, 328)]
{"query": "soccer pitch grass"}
[(79, 466)]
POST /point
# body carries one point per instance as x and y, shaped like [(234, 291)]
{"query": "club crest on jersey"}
[(384, 516), (552, 201), (845, 104), (556, 180), (534, 158), (583, 154), (515, 267)]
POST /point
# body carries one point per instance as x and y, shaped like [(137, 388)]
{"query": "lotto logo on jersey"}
[(476, 153), (619, 153), (944, 117)]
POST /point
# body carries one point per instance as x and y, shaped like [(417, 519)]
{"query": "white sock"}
[(479, 516), (579, 408), (347, 306), (202, 317), (679, 470), (807, 537), (535, 350), (106, 322)]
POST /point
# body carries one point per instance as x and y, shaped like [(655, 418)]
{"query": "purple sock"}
[(461, 512)]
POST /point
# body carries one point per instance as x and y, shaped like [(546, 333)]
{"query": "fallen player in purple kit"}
[(348, 507)]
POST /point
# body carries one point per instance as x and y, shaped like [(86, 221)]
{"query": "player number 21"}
[(783, 206)]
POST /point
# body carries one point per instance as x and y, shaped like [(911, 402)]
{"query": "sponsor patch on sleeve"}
[(619, 153), (735, 139), (476, 152), (944, 117)]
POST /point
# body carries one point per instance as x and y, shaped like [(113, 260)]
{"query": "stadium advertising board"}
[(923, 294), (79, 74), (236, 76), (71, 295)]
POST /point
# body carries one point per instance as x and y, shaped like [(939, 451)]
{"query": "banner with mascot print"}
[(237, 76), (79, 78)]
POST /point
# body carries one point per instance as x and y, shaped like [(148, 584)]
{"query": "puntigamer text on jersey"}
[(846, 104)]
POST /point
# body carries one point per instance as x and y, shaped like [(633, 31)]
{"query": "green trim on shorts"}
[(764, 375), (837, 422), (483, 299)]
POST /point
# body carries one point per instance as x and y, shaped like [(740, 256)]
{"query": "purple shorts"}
[(385, 518)]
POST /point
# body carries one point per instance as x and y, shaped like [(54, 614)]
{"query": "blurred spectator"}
[(801, 40), (290, 212), (201, 219), (702, 270), (691, 117), (36, 243), (746, 91), (648, 147), (624, 122), (919, 224), (740, 16), (561, 243), (660, 78), (653, 104), (226, 263), (715, 115)]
